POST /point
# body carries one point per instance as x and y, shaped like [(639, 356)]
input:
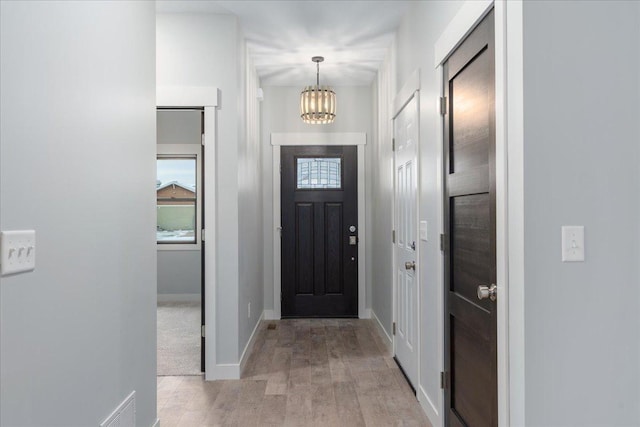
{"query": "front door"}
[(319, 231), (405, 134), (470, 213)]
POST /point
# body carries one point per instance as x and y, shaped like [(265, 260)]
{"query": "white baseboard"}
[(156, 423), (232, 371), (224, 371), (270, 315), (383, 331), (366, 314), (249, 347), (178, 297), (428, 407)]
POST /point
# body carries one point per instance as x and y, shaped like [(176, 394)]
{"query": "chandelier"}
[(318, 103)]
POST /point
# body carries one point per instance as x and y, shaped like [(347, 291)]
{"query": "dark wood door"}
[(319, 231), (472, 394)]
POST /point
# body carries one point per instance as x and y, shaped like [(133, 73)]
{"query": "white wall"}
[(281, 113), (581, 167), (77, 111), (179, 272), (201, 50), (209, 50), (250, 233), (382, 196)]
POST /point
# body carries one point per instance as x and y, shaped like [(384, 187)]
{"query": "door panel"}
[(319, 251), (406, 298), (470, 258)]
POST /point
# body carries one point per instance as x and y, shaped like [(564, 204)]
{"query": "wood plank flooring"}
[(305, 372)]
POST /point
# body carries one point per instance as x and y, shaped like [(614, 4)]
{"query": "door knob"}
[(487, 292), (410, 265)]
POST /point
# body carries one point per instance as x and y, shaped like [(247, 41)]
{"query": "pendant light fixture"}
[(318, 103)]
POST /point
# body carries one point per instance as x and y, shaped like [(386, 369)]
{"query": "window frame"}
[(186, 151)]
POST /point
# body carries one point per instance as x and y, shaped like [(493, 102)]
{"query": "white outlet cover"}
[(572, 243), (17, 251)]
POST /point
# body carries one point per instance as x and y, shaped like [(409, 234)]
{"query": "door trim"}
[(207, 98), (317, 138), (509, 187)]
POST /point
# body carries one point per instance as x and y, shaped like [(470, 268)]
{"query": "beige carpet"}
[(178, 338)]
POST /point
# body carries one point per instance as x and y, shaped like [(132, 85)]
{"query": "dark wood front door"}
[(470, 200), (319, 231)]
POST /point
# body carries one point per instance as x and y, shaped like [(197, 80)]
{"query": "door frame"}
[(410, 90), (509, 188), (318, 138), (206, 98)]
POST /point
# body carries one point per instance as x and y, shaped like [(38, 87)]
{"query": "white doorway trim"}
[(207, 98), (509, 187), (344, 138)]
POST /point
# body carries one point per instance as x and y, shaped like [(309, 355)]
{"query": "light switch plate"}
[(423, 230), (572, 243), (17, 251)]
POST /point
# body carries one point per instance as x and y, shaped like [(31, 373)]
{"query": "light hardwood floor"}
[(306, 372)]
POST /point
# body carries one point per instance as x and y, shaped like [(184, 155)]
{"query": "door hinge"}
[(393, 144), (202, 235), (443, 105), (393, 236), (202, 139), (443, 242), (443, 380), (202, 331), (394, 328)]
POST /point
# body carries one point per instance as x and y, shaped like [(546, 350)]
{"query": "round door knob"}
[(485, 292)]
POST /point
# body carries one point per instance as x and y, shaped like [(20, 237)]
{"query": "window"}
[(319, 172), (177, 201)]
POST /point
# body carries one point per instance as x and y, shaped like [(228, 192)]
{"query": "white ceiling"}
[(282, 36)]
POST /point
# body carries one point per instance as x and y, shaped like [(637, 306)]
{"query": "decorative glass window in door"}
[(318, 173)]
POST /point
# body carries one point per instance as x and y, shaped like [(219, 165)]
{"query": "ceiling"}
[(282, 36)]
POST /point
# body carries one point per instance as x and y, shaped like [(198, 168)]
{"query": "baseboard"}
[(270, 315), (366, 314), (156, 423), (383, 332), (428, 407), (178, 297), (224, 371), (249, 347)]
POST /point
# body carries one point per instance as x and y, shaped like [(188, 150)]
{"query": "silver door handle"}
[(410, 265), (487, 292)]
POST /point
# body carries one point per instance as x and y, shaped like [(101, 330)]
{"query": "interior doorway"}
[(405, 239), (470, 306), (180, 221)]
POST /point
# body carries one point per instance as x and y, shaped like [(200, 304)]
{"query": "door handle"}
[(410, 265), (487, 292)]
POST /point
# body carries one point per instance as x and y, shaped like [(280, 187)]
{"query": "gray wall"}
[(249, 202), (281, 113), (179, 272), (209, 50), (201, 50), (77, 109), (582, 158)]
